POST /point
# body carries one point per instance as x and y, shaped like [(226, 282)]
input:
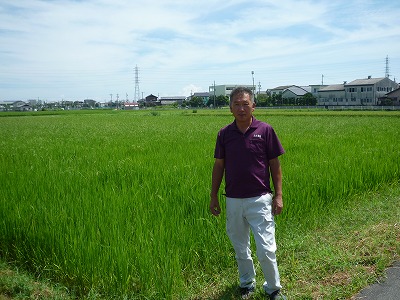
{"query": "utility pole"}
[(322, 79), (214, 94), (254, 88), (259, 87)]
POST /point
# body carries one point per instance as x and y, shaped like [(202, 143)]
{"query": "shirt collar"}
[(254, 123)]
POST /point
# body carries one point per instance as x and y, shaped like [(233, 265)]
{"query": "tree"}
[(276, 99), (262, 100), (219, 101), (210, 101), (309, 99), (222, 100), (196, 102)]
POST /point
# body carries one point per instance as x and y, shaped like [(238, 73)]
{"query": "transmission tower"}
[(387, 67), (137, 90)]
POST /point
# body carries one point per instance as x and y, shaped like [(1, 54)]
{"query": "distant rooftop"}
[(366, 81), (333, 87)]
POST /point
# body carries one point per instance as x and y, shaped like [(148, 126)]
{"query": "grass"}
[(352, 248), (332, 262), (114, 204), (17, 284)]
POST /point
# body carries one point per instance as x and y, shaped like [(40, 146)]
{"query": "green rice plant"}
[(116, 203)]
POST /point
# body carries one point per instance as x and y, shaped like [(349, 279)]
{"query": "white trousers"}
[(256, 214)]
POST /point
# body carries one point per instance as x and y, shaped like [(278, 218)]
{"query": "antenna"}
[(387, 67), (137, 91)]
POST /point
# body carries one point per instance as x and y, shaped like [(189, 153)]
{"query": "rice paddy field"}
[(114, 204)]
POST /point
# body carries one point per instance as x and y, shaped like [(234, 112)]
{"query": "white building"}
[(357, 92), (226, 89)]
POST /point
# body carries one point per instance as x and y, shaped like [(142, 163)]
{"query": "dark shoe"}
[(277, 295), (247, 292)]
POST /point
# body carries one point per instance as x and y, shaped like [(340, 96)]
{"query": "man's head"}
[(240, 90), (242, 104)]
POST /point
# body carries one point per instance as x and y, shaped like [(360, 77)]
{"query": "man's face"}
[(242, 107)]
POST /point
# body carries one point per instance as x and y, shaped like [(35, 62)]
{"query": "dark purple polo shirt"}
[(246, 158)]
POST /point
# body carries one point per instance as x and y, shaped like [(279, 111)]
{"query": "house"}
[(78, 104), (152, 100), (278, 90), (290, 94), (391, 98), (21, 106), (172, 100), (131, 105), (366, 91), (295, 92)]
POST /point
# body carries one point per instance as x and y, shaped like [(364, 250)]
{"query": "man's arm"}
[(276, 174), (217, 175)]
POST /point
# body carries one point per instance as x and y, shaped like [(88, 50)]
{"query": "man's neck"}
[(244, 126)]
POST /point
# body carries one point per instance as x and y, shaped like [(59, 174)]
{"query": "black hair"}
[(239, 90)]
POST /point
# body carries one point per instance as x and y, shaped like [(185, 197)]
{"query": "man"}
[(247, 152)]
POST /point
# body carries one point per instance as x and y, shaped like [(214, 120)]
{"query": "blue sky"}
[(72, 50)]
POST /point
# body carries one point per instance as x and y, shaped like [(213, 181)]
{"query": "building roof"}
[(298, 91), (333, 87), (282, 87), (202, 94), (366, 81), (394, 92), (172, 98), (307, 88)]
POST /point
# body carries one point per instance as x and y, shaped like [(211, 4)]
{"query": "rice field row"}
[(116, 203)]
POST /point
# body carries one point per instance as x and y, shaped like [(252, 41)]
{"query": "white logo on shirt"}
[(257, 136)]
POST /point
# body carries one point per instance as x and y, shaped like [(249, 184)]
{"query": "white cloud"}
[(83, 49), (191, 89)]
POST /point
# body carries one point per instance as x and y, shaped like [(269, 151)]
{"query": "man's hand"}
[(277, 205), (214, 206)]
